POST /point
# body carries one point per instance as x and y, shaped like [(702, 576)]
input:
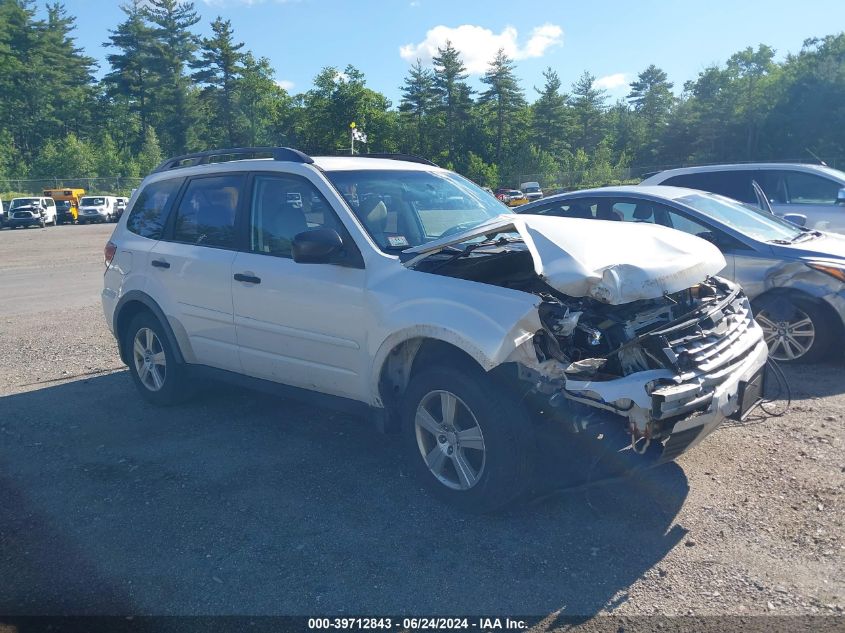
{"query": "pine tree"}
[(131, 79), (551, 121), (652, 98), (150, 155), (417, 103), (175, 45), (219, 68), (504, 95), (453, 97), (588, 106)]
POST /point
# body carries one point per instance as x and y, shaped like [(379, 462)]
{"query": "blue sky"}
[(613, 40)]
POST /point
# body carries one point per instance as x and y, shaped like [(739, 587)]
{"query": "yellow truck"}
[(67, 203)]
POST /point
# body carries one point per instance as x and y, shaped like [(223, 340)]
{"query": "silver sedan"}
[(794, 276)]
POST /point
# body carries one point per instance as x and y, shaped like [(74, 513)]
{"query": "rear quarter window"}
[(149, 213)]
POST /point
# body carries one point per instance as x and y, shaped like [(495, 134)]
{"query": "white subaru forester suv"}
[(388, 285)]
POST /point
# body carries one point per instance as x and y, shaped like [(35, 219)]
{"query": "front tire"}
[(468, 440), (796, 330), (158, 375)]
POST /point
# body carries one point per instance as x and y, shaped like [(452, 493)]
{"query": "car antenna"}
[(810, 152)]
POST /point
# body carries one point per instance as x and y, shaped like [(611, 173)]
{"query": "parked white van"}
[(97, 209), (35, 211)]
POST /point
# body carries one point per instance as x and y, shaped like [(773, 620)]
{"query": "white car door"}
[(298, 324), (191, 267)]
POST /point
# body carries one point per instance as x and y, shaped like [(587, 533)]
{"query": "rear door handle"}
[(160, 264), (250, 279)]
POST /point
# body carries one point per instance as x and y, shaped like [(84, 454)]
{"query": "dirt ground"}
[(241, 503)]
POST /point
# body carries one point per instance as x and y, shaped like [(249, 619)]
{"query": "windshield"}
[(748, 221), (24, 202), (401, 209), (63, 204), (92, 202)]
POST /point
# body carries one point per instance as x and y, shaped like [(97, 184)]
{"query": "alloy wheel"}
[(788, 340), (450, 440), (150, 360)]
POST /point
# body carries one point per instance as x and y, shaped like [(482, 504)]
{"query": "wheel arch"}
[(399, 359), (132, 303)]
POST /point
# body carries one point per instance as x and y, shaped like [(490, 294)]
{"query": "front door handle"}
[(160, 264), (250, 279)]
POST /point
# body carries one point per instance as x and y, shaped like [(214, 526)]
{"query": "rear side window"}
[(733, 184), (206, 213), (810, 189), (150, 209)]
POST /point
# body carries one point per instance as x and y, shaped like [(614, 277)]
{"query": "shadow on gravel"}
[(242, 503), (817, 380)]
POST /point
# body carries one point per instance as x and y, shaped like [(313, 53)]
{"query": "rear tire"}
[(158, 375), (469, 441)]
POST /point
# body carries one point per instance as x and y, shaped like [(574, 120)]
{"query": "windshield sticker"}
[(397, 240)]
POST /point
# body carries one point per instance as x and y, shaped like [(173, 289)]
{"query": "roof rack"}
[(241, 153), (406, 157)]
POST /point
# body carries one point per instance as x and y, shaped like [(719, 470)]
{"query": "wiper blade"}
[(807, 235), (469, 248)]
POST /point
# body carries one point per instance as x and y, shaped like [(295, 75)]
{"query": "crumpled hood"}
[(612, 262)]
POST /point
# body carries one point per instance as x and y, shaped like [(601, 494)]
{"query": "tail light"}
[(108, 252)]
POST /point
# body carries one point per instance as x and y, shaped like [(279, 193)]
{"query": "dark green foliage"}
[(167, 91)]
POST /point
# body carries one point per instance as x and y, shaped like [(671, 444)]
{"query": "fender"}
[(152, 306)]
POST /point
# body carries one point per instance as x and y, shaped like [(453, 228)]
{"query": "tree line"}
[(167, 91)]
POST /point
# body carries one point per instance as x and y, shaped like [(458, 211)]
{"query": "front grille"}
[(715, 346), (705, 354), (23, 215)]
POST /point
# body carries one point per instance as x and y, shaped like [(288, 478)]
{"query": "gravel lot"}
[(241, 503)]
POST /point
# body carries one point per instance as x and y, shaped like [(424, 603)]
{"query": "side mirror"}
[(840, 196), (316, 247), (795, 218), (711, 237)]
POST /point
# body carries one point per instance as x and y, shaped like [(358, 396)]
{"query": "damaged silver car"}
[(395, 287)]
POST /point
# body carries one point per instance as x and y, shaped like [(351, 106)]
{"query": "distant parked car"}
[(808, 195), (3, 213), (97, 209), (531, 190), (35, 211), (794, 276), (121, 207), (511, 197)]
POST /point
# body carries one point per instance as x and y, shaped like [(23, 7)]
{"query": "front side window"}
[(149, 212), (206, 213), (810, 189), (282, 207), (405, 208)]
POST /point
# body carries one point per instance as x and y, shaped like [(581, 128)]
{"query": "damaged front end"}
[(633, 322), (673, 367)]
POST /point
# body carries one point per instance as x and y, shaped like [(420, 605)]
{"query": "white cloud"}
[(611, 82), (285, 84), (478, 45), (414, 3)]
